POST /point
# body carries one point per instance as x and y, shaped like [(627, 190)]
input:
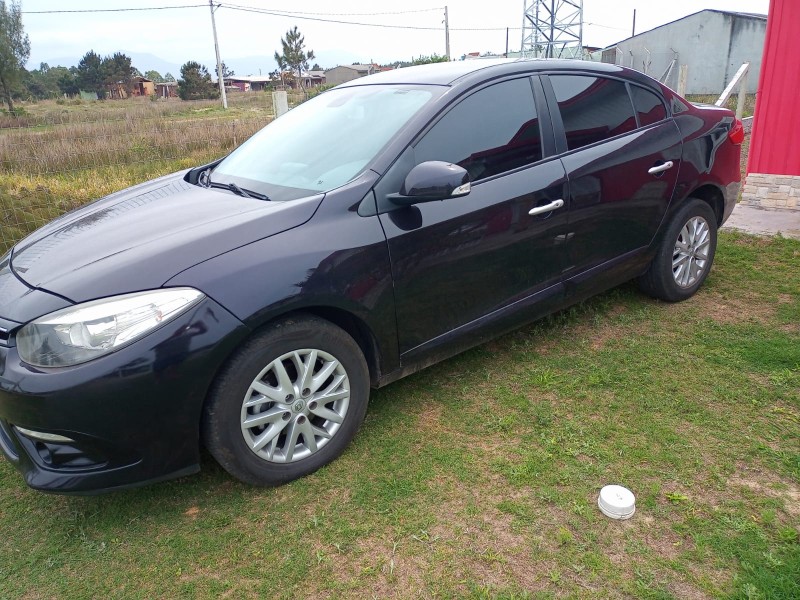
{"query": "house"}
[(247, 83), (313, 79), (343, 73), (137, 86), (142, 86), (712, 43), (167, 89)]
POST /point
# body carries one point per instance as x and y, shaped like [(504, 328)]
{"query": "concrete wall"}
[(713, 44), (340, 74)]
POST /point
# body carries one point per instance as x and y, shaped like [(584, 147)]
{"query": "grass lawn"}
[(475, 478), (479, 476)]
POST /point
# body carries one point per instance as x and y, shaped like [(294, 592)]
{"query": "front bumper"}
[(126, 419)]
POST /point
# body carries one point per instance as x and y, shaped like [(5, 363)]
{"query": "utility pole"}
[(633, 31), (220, 77), (446, 34)]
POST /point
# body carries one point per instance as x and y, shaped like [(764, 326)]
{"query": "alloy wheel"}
[(690, 256), (295, 406)]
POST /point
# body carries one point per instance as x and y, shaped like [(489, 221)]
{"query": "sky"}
[(249, 39)]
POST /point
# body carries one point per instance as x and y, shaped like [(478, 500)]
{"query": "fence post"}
[(742, 95), (741, 79), (683, 77)]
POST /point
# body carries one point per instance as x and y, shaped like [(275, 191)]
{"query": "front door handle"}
[(661, 168), (538, 210)]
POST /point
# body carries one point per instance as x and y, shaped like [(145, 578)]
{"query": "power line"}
[(307, 16), (324, 14), (108, 10), (605, 26), (263, 11), (294, 15)]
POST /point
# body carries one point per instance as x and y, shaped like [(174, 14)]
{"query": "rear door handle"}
[(538, 210), (661, 168)]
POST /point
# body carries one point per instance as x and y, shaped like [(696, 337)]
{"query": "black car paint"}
[(143, 404), (393, 277)]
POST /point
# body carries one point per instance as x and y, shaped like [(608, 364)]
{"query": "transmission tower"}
[(552, 29)]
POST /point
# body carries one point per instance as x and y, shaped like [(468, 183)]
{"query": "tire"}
[(267, 421), (685, 254)]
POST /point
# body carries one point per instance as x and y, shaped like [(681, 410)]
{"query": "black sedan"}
[(249, 305)]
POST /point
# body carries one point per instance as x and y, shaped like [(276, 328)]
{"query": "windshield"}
[(323, 143)]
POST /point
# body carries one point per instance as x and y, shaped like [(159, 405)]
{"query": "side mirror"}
[(432, 180)]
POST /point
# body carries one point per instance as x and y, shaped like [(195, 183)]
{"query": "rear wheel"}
[(288, 402), (685, 255)]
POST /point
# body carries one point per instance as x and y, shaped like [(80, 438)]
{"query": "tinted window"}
[(648, 106), (592, 108), (492, 131)]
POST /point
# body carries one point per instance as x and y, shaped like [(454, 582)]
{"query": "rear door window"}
[(649, 107), (592, 109)]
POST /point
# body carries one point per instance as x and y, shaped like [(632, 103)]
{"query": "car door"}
[(463, 264), (621, 163)]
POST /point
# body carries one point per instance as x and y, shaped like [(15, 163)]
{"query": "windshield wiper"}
[(237, 190)]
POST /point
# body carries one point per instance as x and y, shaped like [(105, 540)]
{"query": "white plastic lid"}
[(617, 502)]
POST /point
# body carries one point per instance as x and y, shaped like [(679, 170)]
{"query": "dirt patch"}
[(790, 328), (497, 554), (682, 589), (752, 241), (744, 308), (771, 486)]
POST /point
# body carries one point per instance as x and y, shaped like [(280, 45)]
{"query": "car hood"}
[(141, 237)]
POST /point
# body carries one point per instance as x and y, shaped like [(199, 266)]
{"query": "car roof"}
[(451, 73)]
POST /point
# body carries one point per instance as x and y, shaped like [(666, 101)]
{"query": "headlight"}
[(80, 333)]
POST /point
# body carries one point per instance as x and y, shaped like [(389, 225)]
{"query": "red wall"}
[(775, 141)]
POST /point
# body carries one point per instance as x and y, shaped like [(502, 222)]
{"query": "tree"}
[(195, 83), (426, 60), (42, 82), (226, 72), (50, 82), (169, 76), (154, 76), (90, 74), (67, 81), (294, 56), (117, 69), (15, 48), (281, 66)]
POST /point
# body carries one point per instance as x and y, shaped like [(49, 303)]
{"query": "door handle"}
[(538, 210), (661, 168)]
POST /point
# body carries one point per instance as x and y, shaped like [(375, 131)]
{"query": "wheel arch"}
[(714, 197), (355, 327), (351, 324)]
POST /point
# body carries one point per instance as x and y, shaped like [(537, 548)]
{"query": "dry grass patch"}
[(745, 307), (766, 484)]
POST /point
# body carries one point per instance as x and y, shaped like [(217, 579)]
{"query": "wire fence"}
[(59, 156)]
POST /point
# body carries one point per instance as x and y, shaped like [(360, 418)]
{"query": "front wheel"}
[(685, 254), (288, 402)]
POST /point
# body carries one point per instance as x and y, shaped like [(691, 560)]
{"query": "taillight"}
[(736, 134)]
